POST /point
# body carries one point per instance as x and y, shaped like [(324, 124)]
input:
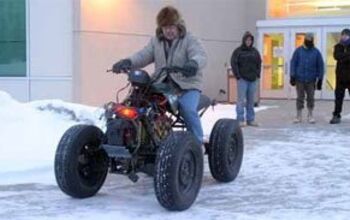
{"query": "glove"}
[(319, 84), (293, 81), (237, 77), (190, 68), (122, 66)]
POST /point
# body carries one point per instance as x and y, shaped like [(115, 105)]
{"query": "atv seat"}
[(204, 103)]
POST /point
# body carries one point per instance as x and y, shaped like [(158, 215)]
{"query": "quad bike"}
[(145, 133)]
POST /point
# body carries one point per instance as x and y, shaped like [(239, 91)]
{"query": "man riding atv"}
[(174, 46), (144, 132)]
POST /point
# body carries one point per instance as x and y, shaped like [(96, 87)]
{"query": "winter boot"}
[(335, 120), (252, 124), (298, 119), (242, 124), (310, 117)]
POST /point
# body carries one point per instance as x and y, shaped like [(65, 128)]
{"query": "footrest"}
[(117, 151)]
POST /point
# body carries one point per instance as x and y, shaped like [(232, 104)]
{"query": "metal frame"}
[(267, 16)]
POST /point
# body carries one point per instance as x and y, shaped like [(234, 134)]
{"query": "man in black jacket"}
[(342, 56), (246, 65)]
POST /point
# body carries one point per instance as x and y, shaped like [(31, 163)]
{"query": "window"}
[(12, 38), (308, 8), (273, 61)]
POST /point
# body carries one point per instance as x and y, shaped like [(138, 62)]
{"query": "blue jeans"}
[(188, 102), (245, 100)]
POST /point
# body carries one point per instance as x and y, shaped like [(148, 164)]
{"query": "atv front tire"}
[(80, 165), (225, 151), (179, 171)]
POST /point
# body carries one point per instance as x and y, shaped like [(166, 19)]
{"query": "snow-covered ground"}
[(287, 173)]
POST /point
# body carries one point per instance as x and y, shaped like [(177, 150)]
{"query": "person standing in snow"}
[(246, 66), (174, 46), (306, 74), (342, 56)]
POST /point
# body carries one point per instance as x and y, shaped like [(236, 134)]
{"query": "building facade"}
[(62, 48), (36, 47)]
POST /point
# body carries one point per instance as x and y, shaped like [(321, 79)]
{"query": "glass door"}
[(274, 49), (297, 40)]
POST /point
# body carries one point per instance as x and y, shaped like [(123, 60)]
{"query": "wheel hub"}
[(231, 156), (90, 163), (187, 171)]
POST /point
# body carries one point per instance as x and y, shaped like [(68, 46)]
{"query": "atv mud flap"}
[(116, 151)]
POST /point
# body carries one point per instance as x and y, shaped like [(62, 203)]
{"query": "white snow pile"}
[(30, 132)]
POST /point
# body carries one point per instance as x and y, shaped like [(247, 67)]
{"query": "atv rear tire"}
[(179, 171), (80, 165), (225, 151)]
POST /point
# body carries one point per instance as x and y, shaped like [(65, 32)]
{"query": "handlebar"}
[(167, 69), (111, 71)]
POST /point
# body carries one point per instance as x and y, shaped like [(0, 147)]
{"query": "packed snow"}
[(287, 173)]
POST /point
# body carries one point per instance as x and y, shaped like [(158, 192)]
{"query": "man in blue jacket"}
[(306, 73)]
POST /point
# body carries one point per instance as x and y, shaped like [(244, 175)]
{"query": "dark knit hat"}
[(345, 32), (309, 36), (168, 16)]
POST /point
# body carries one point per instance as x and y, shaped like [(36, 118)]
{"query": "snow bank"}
[(30, 132)]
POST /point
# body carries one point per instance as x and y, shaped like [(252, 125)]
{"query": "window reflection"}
[(273, 62), (332, 40), (12, 38)]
